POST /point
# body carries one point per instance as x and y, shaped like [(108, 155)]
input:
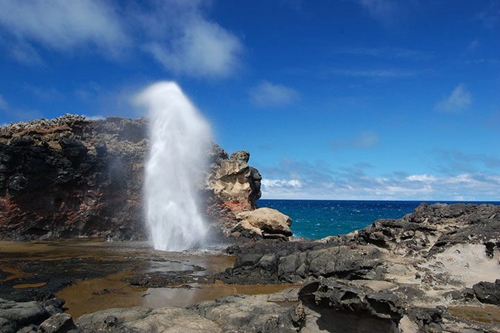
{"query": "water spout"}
[(175, 167)]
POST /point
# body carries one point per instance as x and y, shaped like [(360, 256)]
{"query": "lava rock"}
[(487, 292)]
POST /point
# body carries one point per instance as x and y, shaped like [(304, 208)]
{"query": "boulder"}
[(264, 223)]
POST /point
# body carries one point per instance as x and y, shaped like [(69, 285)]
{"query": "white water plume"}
[(179, 139)]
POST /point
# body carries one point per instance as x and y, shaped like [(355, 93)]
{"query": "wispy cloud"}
[(268, 94), (374, 73), (489, 17), (452, 161), (366, 139), (387, 53), (16, 112), (295, 4), (421, 178), (459, 99), (88, 91), (176, 34), (24, 53), (44, 93), (388, 12), (3, 104)]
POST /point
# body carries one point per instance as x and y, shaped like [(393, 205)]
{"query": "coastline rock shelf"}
[(434, 270)]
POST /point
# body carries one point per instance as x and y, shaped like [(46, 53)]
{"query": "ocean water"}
[(320, 218)]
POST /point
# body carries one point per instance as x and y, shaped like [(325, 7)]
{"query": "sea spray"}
[(175, 167)]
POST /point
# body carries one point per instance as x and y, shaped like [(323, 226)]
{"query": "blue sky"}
[(352, 99)]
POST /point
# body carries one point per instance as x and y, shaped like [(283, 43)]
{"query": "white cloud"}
[(273, 183), (460, 179), (62, 25), (421, 178), (204, 49), (268, 94), (459, 99)]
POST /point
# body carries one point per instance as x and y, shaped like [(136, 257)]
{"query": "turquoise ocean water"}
[(320, 218)]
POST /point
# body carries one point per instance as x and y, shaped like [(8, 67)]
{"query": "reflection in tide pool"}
[(102, 271)]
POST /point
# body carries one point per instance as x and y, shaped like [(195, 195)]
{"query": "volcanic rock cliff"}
[(74, 177)]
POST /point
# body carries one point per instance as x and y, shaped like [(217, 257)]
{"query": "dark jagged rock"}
[(414, 264), (488, 292), (15, 316), (343, 308), (432, 228)]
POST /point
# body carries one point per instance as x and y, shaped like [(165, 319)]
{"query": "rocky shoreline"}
[(434, 270), (72, 177)]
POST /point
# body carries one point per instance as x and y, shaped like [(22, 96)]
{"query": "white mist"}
[(179, 139)]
